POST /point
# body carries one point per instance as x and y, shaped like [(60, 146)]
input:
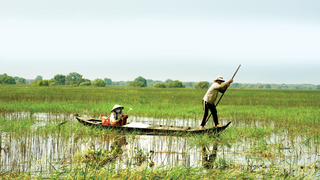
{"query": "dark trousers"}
[(206, 107)]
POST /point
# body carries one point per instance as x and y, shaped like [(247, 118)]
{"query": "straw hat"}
[(219, 78), (116, 107)]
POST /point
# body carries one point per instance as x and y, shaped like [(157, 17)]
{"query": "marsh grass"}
[(271, 130)]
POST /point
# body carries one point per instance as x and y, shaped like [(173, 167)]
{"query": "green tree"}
[(60, 79), (175, 84), (136, 84), (108, 81), (21, 81), (159, 85), (260, 86), (318, 87), (202, 85), (168, 80), (40, 82), (73, 78), (267, 86), (189, 84), (141, 79), (86, 80), (5, 79), (99, 83), (38, 77)]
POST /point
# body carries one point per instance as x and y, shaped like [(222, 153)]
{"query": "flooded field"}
[(274, 134), (46, 147)]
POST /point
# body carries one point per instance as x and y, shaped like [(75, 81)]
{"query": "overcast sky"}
[(274, 41)]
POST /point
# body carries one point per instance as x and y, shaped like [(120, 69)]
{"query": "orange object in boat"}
[(105, 121)]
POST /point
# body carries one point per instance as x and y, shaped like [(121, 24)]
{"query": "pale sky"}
[(274, 41)]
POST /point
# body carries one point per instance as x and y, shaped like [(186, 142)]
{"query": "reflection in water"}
[(208, 157), (39, 152)]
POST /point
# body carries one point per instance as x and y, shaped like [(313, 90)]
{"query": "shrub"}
[(202, 85), (99, 83), (40, 82), (159, 85), (141, 79), (85, 83), (175, 84), (136, 84)]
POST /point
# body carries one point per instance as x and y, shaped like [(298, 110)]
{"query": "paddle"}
[(221, 96), (66, 120)]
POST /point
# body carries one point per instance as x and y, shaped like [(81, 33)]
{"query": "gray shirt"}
[(212, 92)]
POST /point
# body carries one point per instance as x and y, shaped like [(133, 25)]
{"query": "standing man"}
[(209, 100)]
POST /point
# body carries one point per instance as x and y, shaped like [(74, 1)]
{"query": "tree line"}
[(75, 79)]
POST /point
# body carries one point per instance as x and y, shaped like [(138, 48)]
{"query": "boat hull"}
[(151, 129)]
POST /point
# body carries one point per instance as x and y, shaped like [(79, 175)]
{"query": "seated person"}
[(117, 117)]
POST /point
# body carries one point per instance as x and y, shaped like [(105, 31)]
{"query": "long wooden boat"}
[(152, 129)]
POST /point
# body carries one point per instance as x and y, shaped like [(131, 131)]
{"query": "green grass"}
[(257, 117), (295, 109)]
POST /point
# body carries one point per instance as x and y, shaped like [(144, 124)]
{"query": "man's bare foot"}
[(201, 127), (218, 125)]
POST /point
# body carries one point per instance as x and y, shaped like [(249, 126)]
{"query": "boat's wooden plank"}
[(137, 125)]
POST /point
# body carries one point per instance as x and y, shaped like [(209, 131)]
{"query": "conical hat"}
[(116, 106)]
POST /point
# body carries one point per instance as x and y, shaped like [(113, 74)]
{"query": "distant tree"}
[(5, 79), (159, 85), (60, 79), (235, 85), (115, 83), (16, 78), (38, 77), (85, 83), (136, 84), (86, 80), (21, 81), (40, 82), (202, 85), (141, 79), (73, 78), (267, 86), (189, 84), (176, 84), (318, 87), (99, 83), (108, 81), (260, 86), (151, 82), (123, 83), (168, 80)]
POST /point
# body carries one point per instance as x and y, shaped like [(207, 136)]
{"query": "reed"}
[(271, 130)]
